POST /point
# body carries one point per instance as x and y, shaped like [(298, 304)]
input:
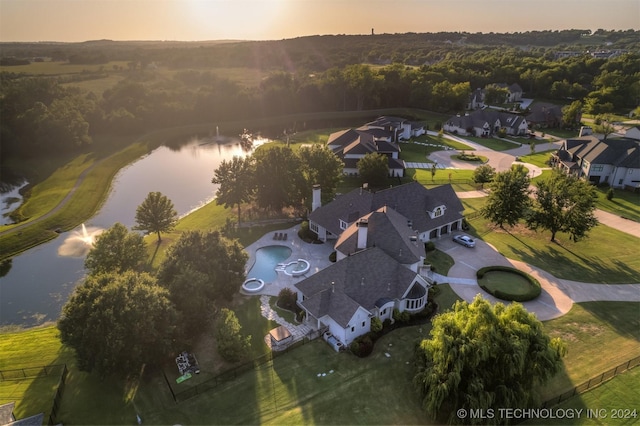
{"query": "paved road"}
[(557, 297)]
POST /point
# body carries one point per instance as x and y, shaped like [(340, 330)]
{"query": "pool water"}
[(267, 258)]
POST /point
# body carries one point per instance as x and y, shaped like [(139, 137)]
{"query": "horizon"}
[(74, 21)]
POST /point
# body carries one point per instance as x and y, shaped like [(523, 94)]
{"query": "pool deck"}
[(316, 254)]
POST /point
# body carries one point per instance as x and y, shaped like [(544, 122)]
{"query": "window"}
[(313, 226), (364, 323), (597, 168), (343, 224), (439, 211), (353, 329)]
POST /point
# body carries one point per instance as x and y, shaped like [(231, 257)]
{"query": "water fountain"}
[(79, 242)]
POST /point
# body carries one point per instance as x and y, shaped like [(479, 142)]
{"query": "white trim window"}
[(343, 225)]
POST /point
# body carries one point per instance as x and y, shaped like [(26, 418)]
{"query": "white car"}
[(465, 240)]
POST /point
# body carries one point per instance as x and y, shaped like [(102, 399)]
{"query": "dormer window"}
[(343, 224), (437, 212)]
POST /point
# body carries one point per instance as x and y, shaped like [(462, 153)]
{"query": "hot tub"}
[(253, 285)]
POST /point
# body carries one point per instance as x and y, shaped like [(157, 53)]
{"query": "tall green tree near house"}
[(321, 166), (232, 345), (572, 114), (483, 174), (278, 178), (116, 250), (117, 322), (156, 214), (235, 178), (509, 197), (373, 169), (483, 357), (563, 203)]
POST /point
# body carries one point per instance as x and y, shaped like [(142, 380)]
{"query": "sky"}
[(197, 20)]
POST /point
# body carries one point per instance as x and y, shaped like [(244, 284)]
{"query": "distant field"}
[(58, 68)]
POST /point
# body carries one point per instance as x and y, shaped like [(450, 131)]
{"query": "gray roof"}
[(411, 200), (359, 280), (481, 117), (388, 230), (542, 112), (615, 152)]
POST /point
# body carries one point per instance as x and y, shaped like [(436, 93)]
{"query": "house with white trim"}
[(611, 161), (486, 123), (379, 242)]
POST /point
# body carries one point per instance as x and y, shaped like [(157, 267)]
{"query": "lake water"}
[(40, 280)]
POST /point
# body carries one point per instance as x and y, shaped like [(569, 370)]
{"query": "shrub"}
[(306, 234), (362, 346), (332, 256), (287, 299), (429, 246), (610, 194), (402, 317), (534, 292), (376, 325)]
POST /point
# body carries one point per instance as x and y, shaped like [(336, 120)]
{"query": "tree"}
[(604, 125), (563, 203), (572, 114), (321, 166), (278, 178), (483, 174), (433, 171), (232, 345), (482, 357), (236, 184), (509, 196), (116, 250), (373, 169), (118, 322), (200, 271), (156, 214)]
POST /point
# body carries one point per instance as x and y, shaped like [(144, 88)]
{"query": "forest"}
[(149, 85)]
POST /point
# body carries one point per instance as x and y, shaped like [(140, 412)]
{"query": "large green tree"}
[(278, 177), (509, 197), (572, 114), (156, 214), (563, 203), (118, 322), (483, 174), (201, 270), (373, 169), (484, 357), (321, 166), (236, 182), (116, 250), (232, 345)]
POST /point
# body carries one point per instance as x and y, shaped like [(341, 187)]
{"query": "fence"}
[(594, 381), (232, 374), (25, 373), (53, 414)]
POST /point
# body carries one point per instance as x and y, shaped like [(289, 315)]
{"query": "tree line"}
[(42, 115)]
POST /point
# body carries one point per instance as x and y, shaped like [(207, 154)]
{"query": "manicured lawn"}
[(599, 336), (607, 256), (624, 203), (495, 144), (412, 152), (440, 261), (506, 282), (611, 398), (538, 159)]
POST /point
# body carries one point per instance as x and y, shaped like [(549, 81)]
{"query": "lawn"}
[(624, 203), (586, 260), (494, 143), (538, 159)]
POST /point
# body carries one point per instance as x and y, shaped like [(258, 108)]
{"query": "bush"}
[(332, 256), (287, 299), (306, 234), (610, 194), (362, 346), (402, 317), (429, 246), (376, 325)]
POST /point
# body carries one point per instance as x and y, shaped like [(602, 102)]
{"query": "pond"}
[(40, 280)]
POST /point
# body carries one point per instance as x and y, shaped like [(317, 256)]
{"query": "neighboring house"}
[(398, 128), (514, 92), (546, 115), (486, 123), (476, 100), (613, 161), (351, 145), (430, 213), (633, 133), (7, 418)]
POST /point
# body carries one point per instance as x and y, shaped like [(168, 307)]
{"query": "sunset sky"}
[(81, 20)]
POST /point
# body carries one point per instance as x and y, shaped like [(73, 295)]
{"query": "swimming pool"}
[(267, 258)]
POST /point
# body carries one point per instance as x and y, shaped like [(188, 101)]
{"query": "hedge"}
[(534, 290)]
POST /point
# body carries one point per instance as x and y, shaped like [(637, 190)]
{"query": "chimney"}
[(363, 228), (316, 200)]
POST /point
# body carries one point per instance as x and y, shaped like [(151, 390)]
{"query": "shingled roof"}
[(412, 200), (356, 281), (388, 230), (615, 152)]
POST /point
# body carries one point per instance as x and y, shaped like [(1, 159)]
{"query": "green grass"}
[(624, 203), (440, 260), (508, 283), (599, 336), (606, 256), (495, 144), (538, 159), (607, 399)]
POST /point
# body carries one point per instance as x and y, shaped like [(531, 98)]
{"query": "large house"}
[(612, 161), (546, 115), (379, 136), (478, 96), (379, 241), (486, 123)]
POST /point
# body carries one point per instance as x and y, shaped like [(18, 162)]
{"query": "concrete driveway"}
[(557, 296)]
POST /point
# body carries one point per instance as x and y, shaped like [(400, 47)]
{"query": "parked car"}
[(465, 240)]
